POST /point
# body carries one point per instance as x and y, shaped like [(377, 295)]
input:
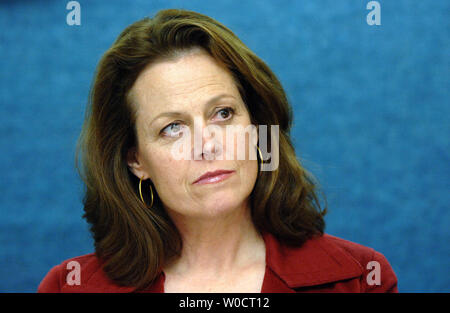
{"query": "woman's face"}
[(203, 94)]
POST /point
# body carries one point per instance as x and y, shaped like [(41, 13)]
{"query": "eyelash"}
[(229, 109)]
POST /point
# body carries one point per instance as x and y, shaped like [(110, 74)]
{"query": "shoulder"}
[(359, 252), (363, 254), (79, 274), (377, 273), (329, 260)]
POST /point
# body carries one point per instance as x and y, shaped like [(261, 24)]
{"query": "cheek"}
[(249, 171), (243, 152), (240, 145), (165, 172)]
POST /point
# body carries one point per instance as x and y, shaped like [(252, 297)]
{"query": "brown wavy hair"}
[(133, 241)]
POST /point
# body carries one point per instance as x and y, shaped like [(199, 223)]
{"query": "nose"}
[(209, 150), (207, 141)]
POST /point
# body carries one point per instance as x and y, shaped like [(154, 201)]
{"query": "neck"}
[(218, 245)]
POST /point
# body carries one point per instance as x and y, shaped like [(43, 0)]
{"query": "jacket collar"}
[(318, 261)]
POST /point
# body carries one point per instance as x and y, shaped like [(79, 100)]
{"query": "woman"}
[(203, 223)]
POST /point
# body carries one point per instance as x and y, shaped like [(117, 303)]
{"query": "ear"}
[(135, 166)]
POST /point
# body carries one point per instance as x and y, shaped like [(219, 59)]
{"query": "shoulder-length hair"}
[(133, 241)]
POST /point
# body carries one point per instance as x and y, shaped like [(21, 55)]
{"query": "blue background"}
[(371, 107)]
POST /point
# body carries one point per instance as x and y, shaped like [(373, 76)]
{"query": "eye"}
[(225, 113), (172, 130)]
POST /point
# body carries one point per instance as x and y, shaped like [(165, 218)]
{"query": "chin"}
[(220, 207)]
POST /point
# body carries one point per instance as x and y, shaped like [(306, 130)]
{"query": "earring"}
[(261, 162), (140, 193)]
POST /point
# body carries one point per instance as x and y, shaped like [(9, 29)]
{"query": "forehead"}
[(187, 81)]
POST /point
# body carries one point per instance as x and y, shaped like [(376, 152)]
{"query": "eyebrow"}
[(177, 113)]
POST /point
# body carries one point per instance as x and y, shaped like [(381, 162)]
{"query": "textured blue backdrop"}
[(371, 107)]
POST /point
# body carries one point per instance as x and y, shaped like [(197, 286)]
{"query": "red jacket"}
[(322, 264)]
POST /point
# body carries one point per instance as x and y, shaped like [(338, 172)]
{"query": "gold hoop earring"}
[(140, 193), (261, 162)]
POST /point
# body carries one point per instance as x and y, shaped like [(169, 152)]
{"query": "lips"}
[(213, 177)]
